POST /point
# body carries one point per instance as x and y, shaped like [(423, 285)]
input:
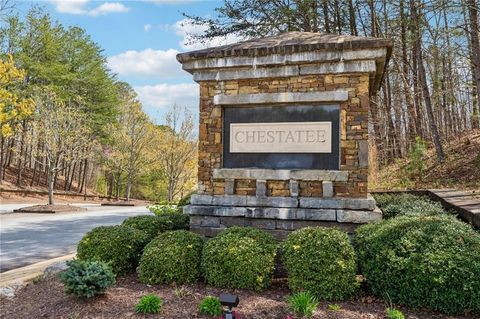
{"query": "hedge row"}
[(420, 260), (393, 205)]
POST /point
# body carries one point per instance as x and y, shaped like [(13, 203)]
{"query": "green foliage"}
[(393, 313), (416, 156), (87, 278), (334, 307), (154, 225), (240, 257), (172, 257), (303, 304), (164, 209), (322, 261), (407, 204), (175, 221), (151, 225), (422, 261), (65, 59), (185, 200), (119, 246), (210, 306), (149, 304)]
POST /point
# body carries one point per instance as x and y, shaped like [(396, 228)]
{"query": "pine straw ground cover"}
[(46, 299)]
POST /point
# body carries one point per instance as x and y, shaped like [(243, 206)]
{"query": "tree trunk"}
[(50, 186), (129, 186), (1, 157), (475, 57), (72, 176), (424, 84), (351, 15)]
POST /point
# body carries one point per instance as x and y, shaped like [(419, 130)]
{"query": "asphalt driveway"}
[(29, 238)]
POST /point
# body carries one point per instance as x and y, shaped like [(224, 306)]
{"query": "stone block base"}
[(278, 215)]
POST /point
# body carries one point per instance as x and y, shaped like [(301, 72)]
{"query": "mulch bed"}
[(45, 299), (49, 209)]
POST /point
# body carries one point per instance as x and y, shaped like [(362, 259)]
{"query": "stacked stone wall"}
[(353, 130)]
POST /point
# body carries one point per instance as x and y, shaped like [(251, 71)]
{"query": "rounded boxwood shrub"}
[(119, 246), (154, 225), (322, 261), (172, 257), (407, 204), (174, 221), (422, 261), (240, 257), (87, 278)]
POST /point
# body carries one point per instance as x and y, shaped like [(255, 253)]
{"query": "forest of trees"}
[(67, 123), (432, 86)]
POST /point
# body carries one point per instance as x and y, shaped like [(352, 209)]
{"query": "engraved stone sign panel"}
[(298, 150), (281, 137)]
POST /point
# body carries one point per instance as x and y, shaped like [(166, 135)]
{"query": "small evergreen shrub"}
[(149, 304), (334, 307), (416, 164), (407, 204), (303, 304), (87, 278), (150, 224), (154, 225), (165, 209), (185, 200), (322, 261), (119, 246), (393, 313), (172, 257), (240, 257), (210, 306), (174, 221), (422, 261)]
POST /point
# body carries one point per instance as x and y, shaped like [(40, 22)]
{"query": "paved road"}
[(29, 238)]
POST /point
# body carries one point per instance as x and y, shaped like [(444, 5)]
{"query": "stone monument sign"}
[(283, 135)]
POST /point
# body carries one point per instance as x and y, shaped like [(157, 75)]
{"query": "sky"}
[(140, 40)]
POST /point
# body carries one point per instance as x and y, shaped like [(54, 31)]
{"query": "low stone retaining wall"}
[(278, 215)]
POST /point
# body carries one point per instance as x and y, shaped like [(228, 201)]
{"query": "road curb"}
[(20, 276)]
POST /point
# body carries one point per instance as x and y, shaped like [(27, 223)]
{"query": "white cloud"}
[(71, 6), (108, 7), (78, 7), (164, 95), (185, 28), (148, 62), (147, 27)]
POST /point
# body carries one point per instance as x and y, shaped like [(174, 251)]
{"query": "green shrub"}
[(210, 306), (416, 158), (422, 261), (172, 257), (240, 258), (185, 200), (322, 261), (149, 304), (303, 304), (334, 307), (393, 313), (119, 246), (154, 225), (87, 278), (407, 204), (165, 209), (175, 221)]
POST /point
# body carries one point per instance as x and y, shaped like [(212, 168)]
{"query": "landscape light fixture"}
[(229, 301)]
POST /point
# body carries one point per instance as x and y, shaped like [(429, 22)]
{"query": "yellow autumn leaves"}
[(13, 107)]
